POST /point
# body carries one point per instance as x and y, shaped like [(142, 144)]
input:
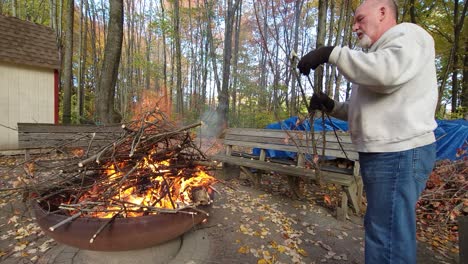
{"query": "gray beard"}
[(365, 42)]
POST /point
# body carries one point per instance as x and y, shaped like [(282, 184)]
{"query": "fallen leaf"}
[(302, 252), (243, 250), (263, 261)]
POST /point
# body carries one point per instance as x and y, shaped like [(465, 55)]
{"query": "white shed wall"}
[(26, 96)]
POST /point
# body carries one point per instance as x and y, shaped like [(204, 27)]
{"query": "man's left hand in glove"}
[(321, 102)]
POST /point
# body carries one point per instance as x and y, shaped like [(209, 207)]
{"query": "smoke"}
[(212, 124)]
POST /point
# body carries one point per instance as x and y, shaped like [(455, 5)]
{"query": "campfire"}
[(146, 187)]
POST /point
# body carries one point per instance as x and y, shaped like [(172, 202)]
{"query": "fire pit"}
[(124, 233), (146, 188)]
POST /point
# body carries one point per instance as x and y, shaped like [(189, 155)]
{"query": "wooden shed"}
[(29, 64)]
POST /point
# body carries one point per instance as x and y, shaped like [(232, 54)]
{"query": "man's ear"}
[(382, 13)]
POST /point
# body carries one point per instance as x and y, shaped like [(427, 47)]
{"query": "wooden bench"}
[(40, 136), (239, 143)]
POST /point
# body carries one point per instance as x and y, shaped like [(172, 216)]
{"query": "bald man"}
[(391, 121)]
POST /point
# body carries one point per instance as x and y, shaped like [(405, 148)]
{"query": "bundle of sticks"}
[(153, 167)]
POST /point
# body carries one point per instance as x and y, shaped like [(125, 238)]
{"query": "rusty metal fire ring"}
[(123, 234)]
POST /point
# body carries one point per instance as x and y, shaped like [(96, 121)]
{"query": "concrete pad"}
[(193, 247)]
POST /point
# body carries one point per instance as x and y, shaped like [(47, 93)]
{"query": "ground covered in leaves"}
[(264, 225)]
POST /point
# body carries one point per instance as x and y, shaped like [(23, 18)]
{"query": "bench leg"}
[(255, 177), (352, 193), (26, 155), (360, 190), (295, 187), (230, 171), (342, 211)]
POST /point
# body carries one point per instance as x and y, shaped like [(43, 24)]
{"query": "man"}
[(391, 121)]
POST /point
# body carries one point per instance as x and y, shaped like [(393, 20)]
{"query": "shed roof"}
[(24, 42)]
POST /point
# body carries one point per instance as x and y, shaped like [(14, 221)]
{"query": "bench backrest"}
[(37, 135), (293, 141)]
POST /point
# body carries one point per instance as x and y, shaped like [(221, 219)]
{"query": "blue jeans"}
[(393, 182)]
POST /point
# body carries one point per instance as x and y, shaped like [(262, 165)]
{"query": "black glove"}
[(314, 58), (321, 102)]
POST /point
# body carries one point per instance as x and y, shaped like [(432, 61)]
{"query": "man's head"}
[(372, 19)]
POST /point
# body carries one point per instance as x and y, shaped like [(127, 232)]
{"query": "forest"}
[(229, 60)]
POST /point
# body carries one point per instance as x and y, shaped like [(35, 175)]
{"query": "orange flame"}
[(152, 185)]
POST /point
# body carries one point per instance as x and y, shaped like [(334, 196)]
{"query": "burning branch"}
[(152, 167)]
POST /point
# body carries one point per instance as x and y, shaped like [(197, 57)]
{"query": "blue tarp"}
[(451, 135), (452, 139)]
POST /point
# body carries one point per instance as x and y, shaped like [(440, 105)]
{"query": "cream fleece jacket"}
[(394, 93)]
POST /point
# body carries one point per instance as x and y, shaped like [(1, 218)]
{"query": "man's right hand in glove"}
[(321, 102), (314, 58)]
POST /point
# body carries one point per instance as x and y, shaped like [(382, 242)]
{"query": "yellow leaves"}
[(302, 252), (246, 230), (2, 253), (244, 250), (281, 249), (273, 244), (20, 246)]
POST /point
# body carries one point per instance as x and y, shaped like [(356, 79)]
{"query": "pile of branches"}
[(444, 200), (149, 148)]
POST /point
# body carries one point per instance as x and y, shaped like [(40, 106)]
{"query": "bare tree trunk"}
[(223, 96), (206, 48), (234, 83), (82, 51), (59, 20), (163, 31), (53, 13), (94, 40), (347, 36), (67, 74), (344, 20), (130, 47), (321, 30), (209, 10), (297, 21), (13, 8), (464, 93), (149, 43), (263, 28), (106, 89), (457, 30), (178, 63), (412, 11), (328, 67)]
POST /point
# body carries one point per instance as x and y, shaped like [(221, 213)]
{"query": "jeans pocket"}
[(423, 162), (379, 167)]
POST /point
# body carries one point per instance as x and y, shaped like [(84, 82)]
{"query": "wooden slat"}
[(35, 135), (52, 128), (295, 134), (63, 136), (327, 176), (352, 155), (291, 142)]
